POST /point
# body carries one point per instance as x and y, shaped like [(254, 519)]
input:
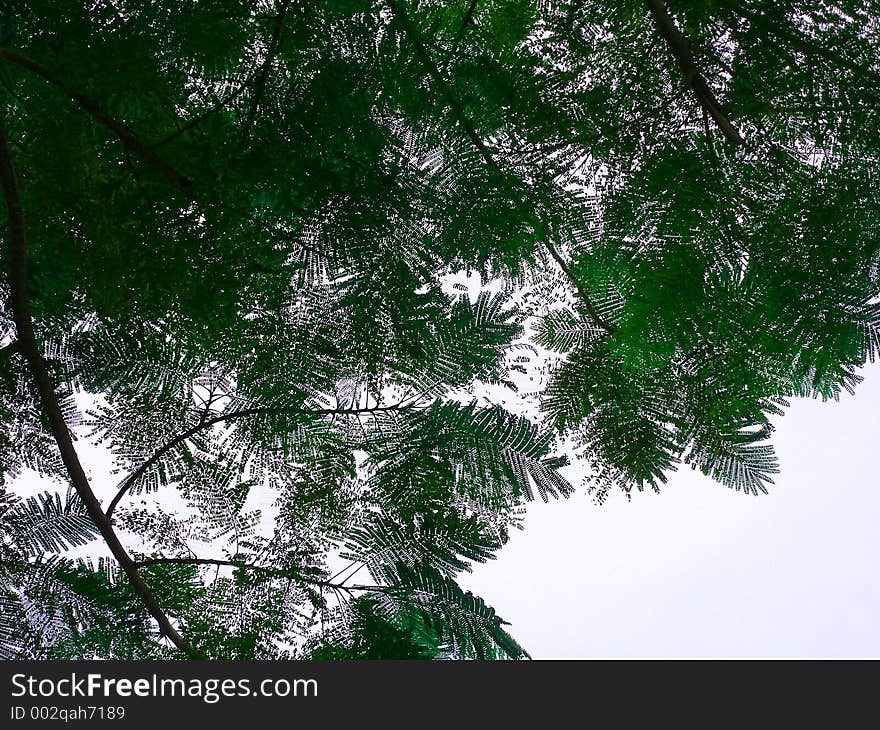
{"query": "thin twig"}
[(680, 49), (260, 86), (434, 72), (223, 417), (275, 572), (197, 120)]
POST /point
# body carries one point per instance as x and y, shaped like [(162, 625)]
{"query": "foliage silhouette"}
[(235, 236)]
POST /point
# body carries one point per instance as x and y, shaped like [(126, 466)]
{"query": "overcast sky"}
[(702, 571)]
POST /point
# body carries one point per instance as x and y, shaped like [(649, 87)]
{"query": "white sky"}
[(702, 571)]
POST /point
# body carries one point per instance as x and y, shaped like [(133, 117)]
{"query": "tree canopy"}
[(240, 241)]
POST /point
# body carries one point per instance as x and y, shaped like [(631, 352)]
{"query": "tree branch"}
[(680, 48), (585, 297), (279, 572), (432, 70), (260, 86), (197, 120), (422, 52), (211, 561), (468, 16), (28, 347), (125, 135), (233, 415), (465, 22)]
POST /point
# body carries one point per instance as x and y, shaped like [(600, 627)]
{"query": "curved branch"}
[(125, 135), (28, 347), (233, 415), (128, 138), (680, 49), (279, 572)]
